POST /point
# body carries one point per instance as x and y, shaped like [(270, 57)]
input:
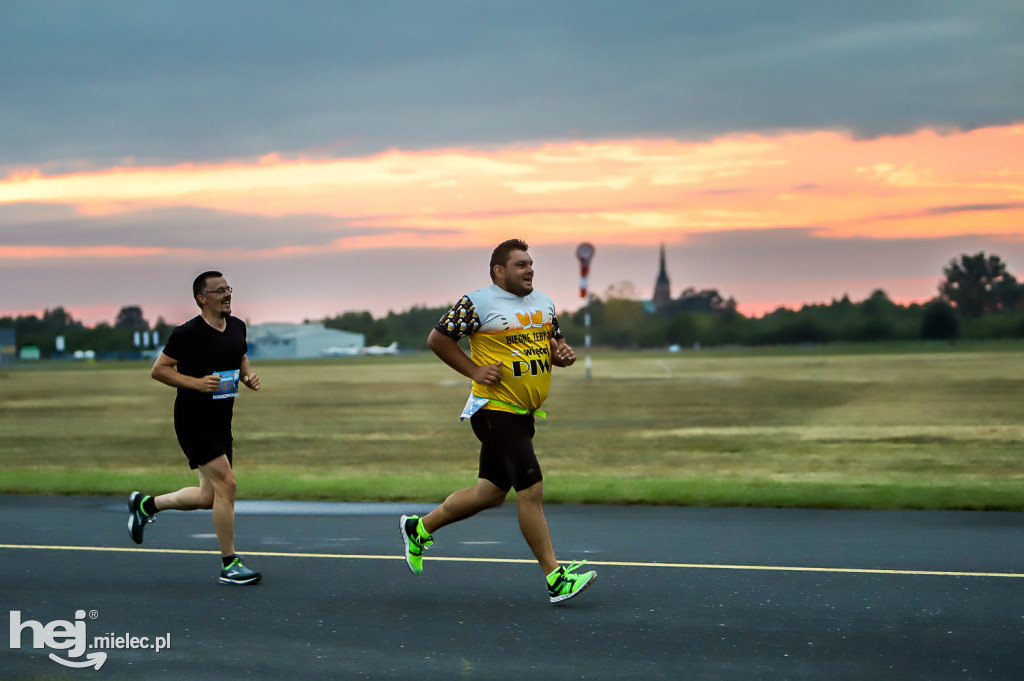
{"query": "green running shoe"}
[(564, 583), (415, 542), (137, 518), (236, 573)]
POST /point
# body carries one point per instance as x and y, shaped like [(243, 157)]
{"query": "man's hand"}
[(561, 354), (207, 384), (487, 374), (448, 350), (251, 381)]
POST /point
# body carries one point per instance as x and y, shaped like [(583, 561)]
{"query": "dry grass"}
[(922, 428)]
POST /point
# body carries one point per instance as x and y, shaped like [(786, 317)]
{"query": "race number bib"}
[(228, 384), (473, 405)]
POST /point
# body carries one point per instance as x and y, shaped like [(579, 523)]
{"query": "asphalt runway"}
[(682, 593)]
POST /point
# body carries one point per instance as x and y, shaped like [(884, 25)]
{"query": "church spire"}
[(662, 294)]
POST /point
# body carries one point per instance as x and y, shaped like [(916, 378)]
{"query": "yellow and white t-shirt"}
[(516, 331)]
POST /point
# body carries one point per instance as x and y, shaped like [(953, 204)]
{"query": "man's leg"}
[(563, 582), (416, 531), (463, 504), (534, 526), (218, 476), (187, 498), (217, 479), (142, 508)]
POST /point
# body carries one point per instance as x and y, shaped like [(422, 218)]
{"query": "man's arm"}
[(562, 355), (164, 371), (250, 378), (448, 350)]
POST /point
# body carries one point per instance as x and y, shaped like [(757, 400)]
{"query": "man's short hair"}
[(199, 283), (501, 253)]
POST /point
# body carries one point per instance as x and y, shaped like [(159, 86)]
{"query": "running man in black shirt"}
[(205, 359)]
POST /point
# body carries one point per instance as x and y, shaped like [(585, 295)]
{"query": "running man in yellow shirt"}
[(514, 342)]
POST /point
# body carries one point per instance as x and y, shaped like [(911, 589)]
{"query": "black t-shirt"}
[(202, 350)]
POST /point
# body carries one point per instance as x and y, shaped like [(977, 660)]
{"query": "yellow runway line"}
[(631, 564)]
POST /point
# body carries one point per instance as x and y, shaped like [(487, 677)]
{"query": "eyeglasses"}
[(220, 291)]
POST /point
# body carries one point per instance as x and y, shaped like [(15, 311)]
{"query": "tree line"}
[(977, 299), (114, 340)]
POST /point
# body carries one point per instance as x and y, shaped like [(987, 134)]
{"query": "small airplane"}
[(340, 352), (381, 350)]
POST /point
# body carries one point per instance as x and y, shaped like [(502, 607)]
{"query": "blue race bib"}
[(228, 384)]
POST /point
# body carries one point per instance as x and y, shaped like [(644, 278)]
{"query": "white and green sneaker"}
[(564, 583), (236, 573), (416, 541)]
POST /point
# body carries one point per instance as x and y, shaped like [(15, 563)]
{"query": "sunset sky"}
[(349, 156)]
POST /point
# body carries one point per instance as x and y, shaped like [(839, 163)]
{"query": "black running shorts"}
[(203, 430), (203, 445), (506, 449)]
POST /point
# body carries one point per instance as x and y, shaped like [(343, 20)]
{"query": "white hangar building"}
[(301, 341)]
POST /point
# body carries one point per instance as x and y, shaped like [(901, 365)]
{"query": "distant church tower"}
[(661, 287)]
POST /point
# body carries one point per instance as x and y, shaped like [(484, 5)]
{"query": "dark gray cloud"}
[(232, 79), (173, 228), (973, 208), (956, 208)]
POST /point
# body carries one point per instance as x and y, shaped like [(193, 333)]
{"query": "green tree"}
[(706, 301), (878, 304), (162, 329), (939, 322), (979, 284), (130, 317), (620, 323), (353, 322), (409, 329), (877, 319), (59, 319)]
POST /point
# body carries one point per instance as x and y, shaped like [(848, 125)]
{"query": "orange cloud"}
[(925, 184)]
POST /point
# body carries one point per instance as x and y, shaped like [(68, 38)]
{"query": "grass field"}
[(859, 427)]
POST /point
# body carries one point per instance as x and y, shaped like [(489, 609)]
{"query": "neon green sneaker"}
[(137, 518), (564, 583), (236, 573), (416, 540)]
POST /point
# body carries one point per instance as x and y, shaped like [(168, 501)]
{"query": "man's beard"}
[(520, 290)]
